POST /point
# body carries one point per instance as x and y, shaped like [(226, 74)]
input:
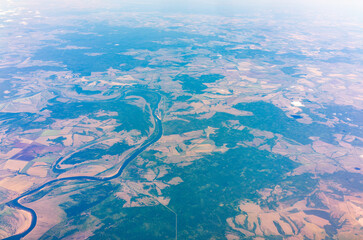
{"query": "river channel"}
[(154, 137)]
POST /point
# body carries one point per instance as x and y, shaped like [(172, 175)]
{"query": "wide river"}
[(154, 137)]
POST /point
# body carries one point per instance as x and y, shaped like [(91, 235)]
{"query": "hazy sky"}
[(312, 4), (345, 8)]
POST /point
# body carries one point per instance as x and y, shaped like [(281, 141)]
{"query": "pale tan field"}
[(293, 221), (39, 169), (48, 213), (15, 165), (19, 183), (320, 84), (17, 222)]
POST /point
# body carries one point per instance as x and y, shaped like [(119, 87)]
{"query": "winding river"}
[(154, 137)]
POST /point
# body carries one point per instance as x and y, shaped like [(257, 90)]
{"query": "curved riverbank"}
[(154, 137)]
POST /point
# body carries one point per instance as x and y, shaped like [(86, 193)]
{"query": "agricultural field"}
[(119, 122)]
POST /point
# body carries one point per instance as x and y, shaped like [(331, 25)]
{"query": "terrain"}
[(125, 124)]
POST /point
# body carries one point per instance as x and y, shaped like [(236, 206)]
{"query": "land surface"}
[(120, 124)]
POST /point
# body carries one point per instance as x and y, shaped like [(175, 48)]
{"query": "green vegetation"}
[(23, 120), (96, 153), (351, 181), (210, 78), (152, 223), (191, 84), (268, 117), (210, 191), (191, 123), (194, 85), (213, 186), (80, 90), (289, 70), (230, 137), (179, 149), (87, 198), (129, 116), (58, 140)]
